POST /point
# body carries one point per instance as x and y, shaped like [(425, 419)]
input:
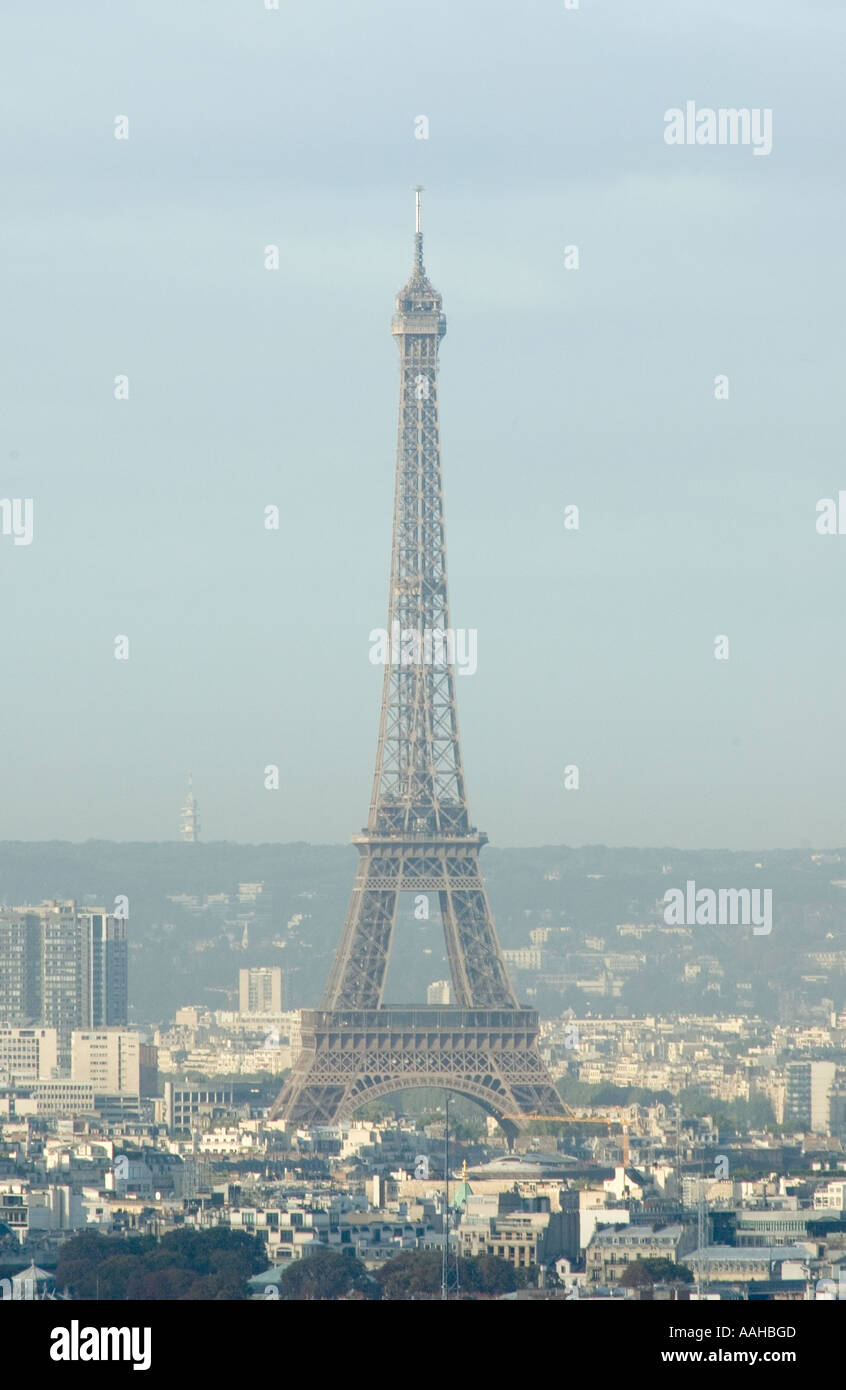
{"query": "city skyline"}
[(593, 536)]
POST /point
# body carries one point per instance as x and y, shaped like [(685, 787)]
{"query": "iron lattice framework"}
[(418, 837), (356, 1055)]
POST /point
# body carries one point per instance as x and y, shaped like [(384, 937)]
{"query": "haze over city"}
[(595, 387)]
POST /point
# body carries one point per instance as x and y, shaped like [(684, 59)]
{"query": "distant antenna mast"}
[(190, 818), (418, 229)]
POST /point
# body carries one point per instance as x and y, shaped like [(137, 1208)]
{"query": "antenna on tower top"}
[(418, 233)]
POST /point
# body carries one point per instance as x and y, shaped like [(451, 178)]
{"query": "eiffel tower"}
[(418, 837)]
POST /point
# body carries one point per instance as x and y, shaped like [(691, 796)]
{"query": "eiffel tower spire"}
[(419, 781), (418, 232)]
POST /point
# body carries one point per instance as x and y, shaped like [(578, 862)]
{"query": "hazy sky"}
[(250, 387)]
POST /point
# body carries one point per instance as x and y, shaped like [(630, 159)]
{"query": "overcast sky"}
[(144, 257)]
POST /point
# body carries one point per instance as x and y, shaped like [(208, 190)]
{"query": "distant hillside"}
[(184, 953)]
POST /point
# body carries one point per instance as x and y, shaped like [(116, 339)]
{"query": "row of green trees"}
[(642, 1274), (606, 1093), (418, 1274), (216, 1264), (184, 1264), (734, 1115), (738, 1116), (409, 1275)]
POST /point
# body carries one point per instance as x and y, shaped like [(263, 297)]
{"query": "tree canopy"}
[(184, 1264), (326, 1275), (418, 1273), (645, 1273)]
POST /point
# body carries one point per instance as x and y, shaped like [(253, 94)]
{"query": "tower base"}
[(352, 1056)]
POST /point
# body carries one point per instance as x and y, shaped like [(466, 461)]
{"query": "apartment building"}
[(108, 1058), (522, 1237), (27, 1054), (611, 1251), (62, 967), (260, 990)]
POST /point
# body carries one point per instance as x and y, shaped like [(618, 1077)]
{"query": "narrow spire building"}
[(190, 818)]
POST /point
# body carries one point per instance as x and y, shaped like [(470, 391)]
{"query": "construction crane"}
[(580, 1120)]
